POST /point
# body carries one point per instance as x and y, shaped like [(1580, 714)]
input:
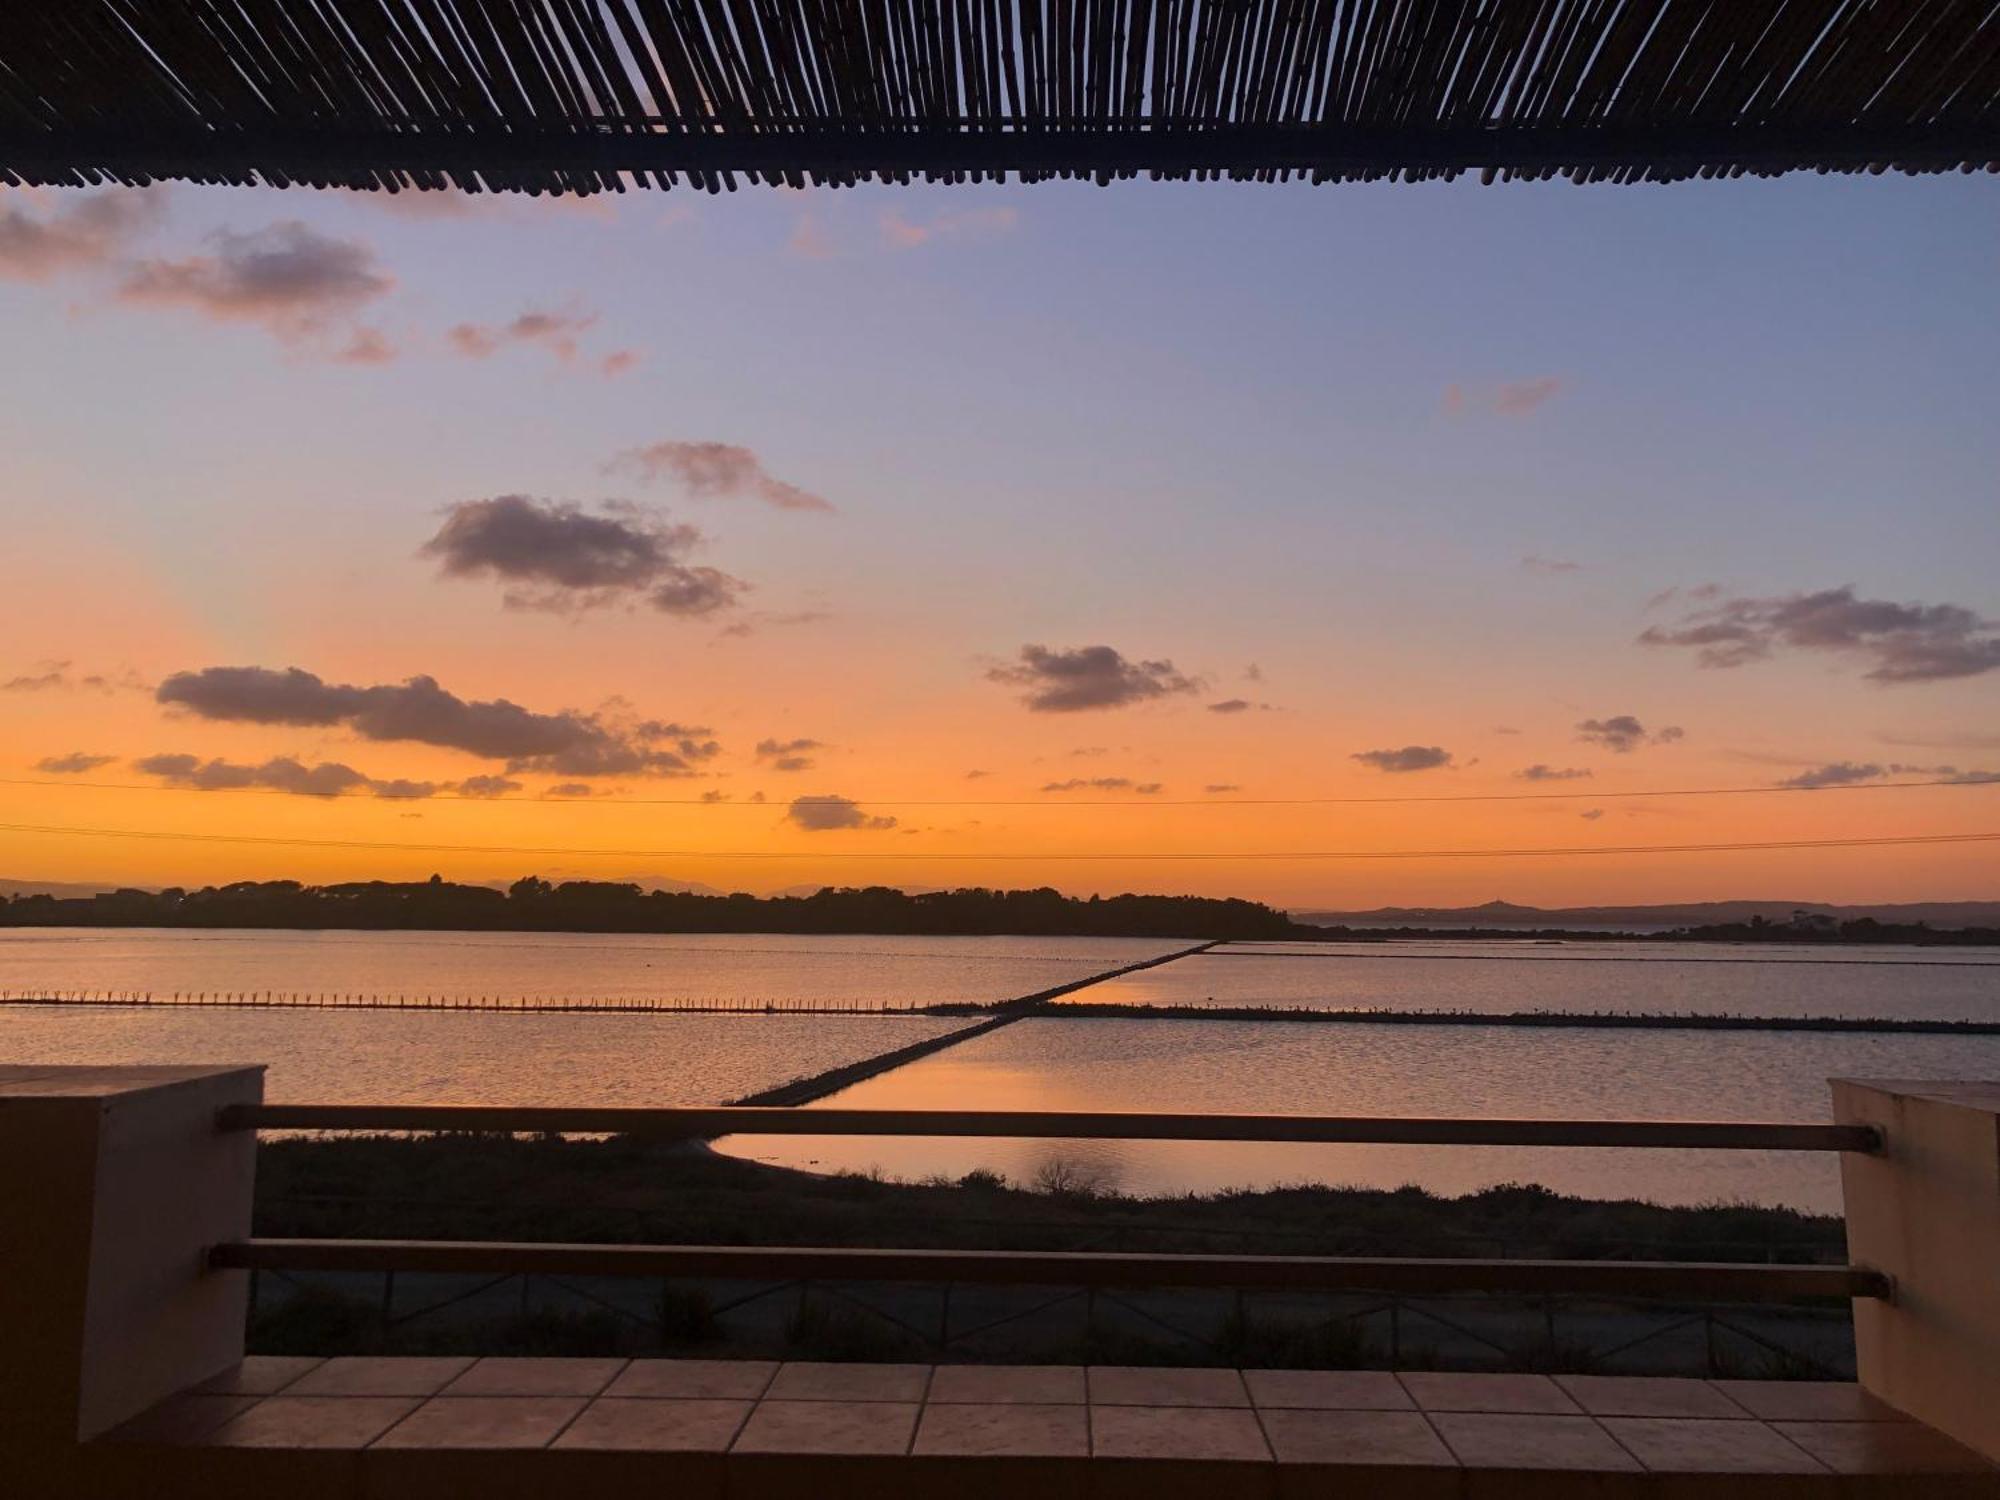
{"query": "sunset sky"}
[(1034, 522)]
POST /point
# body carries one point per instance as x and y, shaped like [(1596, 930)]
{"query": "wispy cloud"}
[(1534, 562), (1089, 677), (46, 234), (419, 711), (554, 555), (1623, 733), (557, 332), (900, 233), (61, 676), (1540, 772), (1902, 643), (710, 470), (1105, 784), (789, 755), (1507, 398), (76, 763), (284, 774), (1408, 758), (288, 279), (827, 814)]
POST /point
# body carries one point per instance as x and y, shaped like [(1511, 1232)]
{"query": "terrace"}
[(129, 1287)]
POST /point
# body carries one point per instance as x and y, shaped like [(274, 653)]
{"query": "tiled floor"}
[(727, 1429)]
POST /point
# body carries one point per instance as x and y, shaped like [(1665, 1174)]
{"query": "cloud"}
[(899, 233), (282, 773), (1516, 398), (808, 239), (1624, 734), (788, 755), (1591, 814), (48, 676), (1105, 784), (1089, 677), (1901, 642), (76, 763), (1409, 758), (556, 556), (487, 786), (1539, 772), (56, 676), (286, 278), (1216, 787), (569, 789), (617, 362), (366, 346), (1230, 706), (826, 814), (1836, 773), (1509, 398), (1536, 563), (709, 470), (421, 712), (976, 775), (559, 333), (450, 203), (71, 231)]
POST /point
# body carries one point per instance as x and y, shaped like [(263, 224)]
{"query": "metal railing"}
[(1718, 1281)]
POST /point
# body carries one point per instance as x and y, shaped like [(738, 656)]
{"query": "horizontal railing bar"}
[(1722, 1135), (1709, 1280)]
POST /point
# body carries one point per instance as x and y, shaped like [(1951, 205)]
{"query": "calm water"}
[(1391, 1070), (1931, 983), (558, 966), (474, 1058), (389, 1056)]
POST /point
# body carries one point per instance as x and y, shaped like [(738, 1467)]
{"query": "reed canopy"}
[(589, 95)]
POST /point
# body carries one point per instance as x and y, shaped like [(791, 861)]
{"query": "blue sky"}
[(1318, 429)]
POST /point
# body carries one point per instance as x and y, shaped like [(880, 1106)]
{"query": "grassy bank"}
[(628, 1191)]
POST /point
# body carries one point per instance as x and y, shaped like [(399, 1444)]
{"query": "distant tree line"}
[(537, 905)]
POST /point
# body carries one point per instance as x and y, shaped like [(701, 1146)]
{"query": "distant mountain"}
[(68, 890), (1635, 918)]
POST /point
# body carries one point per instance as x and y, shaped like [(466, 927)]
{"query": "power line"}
[(543, 851), (1600, 795)]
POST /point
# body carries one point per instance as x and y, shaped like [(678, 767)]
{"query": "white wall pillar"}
[(1927, 1212), (113, 1184)]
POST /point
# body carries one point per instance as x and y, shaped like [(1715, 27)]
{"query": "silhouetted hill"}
[(1939, 914), (534, 904)]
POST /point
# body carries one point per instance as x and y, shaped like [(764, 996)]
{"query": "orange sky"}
[(1418, 544)]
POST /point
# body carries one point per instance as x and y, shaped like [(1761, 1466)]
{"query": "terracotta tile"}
[(717, 1379), (1143, 1385), (1648, 1396), (1061, 1385), (260, 1374), (1701, 1445), (1362, 1438), (1531, 1440), (181, 1419), (1458, 1391), (313, 1422), (483, 1422), (805, 1381), (1883, 1448), (1808, 1401), (1182, 1432), (852, 1427), (370, 1375), (1015, 1429), (1336, 1390), (693, 1425), (535, 1377)]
